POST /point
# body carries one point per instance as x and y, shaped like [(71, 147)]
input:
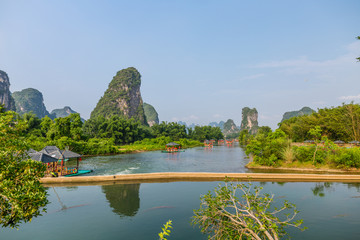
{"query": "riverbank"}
[(303, 167), (198, 176)]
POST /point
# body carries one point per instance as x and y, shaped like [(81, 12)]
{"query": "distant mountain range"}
[(122, 98)]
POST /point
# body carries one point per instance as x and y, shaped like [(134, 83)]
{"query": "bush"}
[(288, 154), (349, 158), (304, 154), (236, 211)]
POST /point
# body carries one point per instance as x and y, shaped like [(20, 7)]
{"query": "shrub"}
[(304, 154), (288, 154), (348, 158)]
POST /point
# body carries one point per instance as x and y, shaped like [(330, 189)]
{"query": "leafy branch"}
[(224, 215)]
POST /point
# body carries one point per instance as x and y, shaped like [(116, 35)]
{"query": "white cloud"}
[(349, 98), (304, 65)]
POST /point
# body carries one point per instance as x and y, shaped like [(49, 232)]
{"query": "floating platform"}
[(80, 172), (165, 151)]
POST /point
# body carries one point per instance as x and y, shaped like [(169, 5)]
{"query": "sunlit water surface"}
[(217, 159), (137, 211)]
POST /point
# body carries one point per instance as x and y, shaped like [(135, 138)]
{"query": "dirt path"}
[(197, 176)]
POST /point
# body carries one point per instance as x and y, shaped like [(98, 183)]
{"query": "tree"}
[(316, 135), (21, 194), (174, 130), (267, 150), (224, 215)]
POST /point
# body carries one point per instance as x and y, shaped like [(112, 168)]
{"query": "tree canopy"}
[(22, 197)]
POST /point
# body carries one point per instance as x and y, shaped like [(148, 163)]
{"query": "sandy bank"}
[(197, 176)]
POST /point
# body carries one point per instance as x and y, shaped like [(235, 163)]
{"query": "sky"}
[(200, 61)]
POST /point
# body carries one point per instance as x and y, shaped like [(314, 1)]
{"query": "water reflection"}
[(123, 198), (319, 189)]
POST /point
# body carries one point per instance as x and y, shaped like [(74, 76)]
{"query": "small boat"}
[(79, 172), (173, 148), (172, 151)]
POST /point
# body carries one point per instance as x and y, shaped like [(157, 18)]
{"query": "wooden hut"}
[(62, 156)]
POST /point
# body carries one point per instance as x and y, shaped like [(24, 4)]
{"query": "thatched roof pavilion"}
[(42, 157)]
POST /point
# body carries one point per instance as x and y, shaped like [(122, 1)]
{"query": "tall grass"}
[(288, 154)]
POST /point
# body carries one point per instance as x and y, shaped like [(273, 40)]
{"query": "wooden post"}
[(77, 164), (62, 164)]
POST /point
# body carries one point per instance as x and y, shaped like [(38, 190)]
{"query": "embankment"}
[(197, 176)]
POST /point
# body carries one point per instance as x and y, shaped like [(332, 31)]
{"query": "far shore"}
[(196, 176)]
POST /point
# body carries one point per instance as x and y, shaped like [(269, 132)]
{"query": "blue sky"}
[(200, 61)]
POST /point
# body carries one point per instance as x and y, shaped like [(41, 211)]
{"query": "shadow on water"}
[(319, 188), (123, 198)]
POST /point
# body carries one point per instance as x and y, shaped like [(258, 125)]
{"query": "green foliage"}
[(206, 133), (123, 131), (173, 130), (226, 215), (315, 133), (304, 153), (158, 144), (288, 154), (120, 88), (245, 137), (337, 123), (268, 150), (96, 146), (22, 197), (165, 230), (348, 158)]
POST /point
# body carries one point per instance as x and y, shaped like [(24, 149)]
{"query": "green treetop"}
[(21, 194)]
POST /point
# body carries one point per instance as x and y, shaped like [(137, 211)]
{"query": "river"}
[(138, 211)]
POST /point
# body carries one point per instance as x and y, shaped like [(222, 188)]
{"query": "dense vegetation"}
[(337, 123), (21, 194), (236, 211), (109, 135), (321, 129)]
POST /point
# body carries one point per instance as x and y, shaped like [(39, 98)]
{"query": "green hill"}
[(152, 116), (30, 100), (301, 112), (123, 97)]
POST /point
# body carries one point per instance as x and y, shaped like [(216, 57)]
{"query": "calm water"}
[(137, 211), (217, 159)]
